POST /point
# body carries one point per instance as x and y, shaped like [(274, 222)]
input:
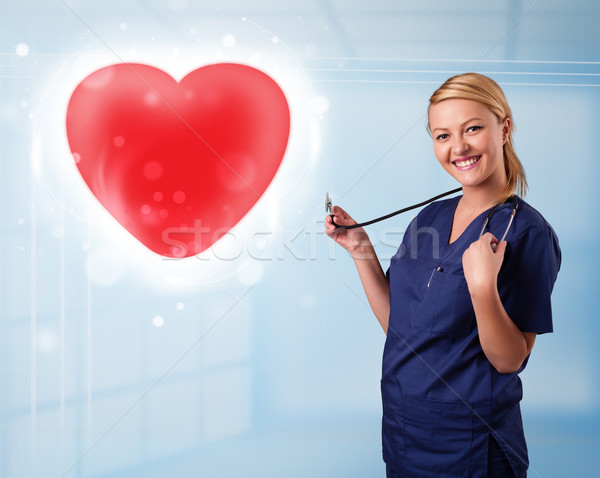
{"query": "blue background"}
[(270, 366)]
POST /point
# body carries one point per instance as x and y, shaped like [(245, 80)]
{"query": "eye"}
[(474, 128), (441, 137)]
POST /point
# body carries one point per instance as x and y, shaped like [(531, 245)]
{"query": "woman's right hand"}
[(355, 241)]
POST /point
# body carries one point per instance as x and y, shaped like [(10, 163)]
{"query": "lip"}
[(466, 158)]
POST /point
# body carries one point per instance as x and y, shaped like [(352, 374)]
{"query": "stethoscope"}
[(329, 205)]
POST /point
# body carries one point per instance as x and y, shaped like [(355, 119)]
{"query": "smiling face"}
[(468, 142)]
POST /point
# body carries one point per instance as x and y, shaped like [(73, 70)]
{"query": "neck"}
[(481, 198)]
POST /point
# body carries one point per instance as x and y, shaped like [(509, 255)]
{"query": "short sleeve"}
[(527, 277)]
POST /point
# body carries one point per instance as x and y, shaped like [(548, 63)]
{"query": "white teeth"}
[(468, 162)]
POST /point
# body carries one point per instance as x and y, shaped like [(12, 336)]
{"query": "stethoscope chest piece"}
[(328, 203)]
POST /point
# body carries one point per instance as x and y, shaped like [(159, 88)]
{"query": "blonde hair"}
[(484, 90)]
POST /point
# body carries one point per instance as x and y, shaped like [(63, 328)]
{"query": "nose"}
[(460, 146)]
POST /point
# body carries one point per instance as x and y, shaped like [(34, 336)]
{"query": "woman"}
[(461, 310)]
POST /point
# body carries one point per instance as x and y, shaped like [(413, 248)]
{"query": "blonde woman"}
[(460, 307)]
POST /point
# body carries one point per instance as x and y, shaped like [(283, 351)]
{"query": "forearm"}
[(504, 345), (374, 282)]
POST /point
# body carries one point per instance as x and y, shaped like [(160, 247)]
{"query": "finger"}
[(337, 222), (332, 224), (343, 221), (338, 211), (501, 248), (331, 231), (489, 238)]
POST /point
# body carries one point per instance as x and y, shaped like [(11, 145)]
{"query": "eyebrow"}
[(468, 121)]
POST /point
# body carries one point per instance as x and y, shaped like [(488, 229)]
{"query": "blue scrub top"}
[(441, 396)]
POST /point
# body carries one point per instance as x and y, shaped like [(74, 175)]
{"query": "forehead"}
[(455, 111)]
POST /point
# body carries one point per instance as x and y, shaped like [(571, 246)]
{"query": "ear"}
[(506, 128)]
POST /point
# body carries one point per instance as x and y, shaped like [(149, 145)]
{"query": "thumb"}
[(501, 248), (339, 212), (341, 216), (489, 238)]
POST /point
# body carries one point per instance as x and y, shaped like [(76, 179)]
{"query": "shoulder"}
[(529, 221), (534, 241)]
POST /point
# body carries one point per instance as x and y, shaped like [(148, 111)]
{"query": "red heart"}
[(178, 164)]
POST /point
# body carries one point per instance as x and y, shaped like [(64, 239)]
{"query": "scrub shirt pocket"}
[(446, 308), (438, 434), (393, 435)]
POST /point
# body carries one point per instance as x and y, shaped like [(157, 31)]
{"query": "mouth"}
[(466, 163)]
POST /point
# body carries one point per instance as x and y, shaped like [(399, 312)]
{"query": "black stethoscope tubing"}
[(512, 216), (414, 206), (387, 216)]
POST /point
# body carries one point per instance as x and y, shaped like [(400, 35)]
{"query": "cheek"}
[(494, 144), (495, 150), (441, 153)]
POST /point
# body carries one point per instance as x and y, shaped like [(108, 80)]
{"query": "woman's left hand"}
[(481, 264)]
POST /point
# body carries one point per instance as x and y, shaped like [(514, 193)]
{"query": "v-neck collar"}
[(449, 221)]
